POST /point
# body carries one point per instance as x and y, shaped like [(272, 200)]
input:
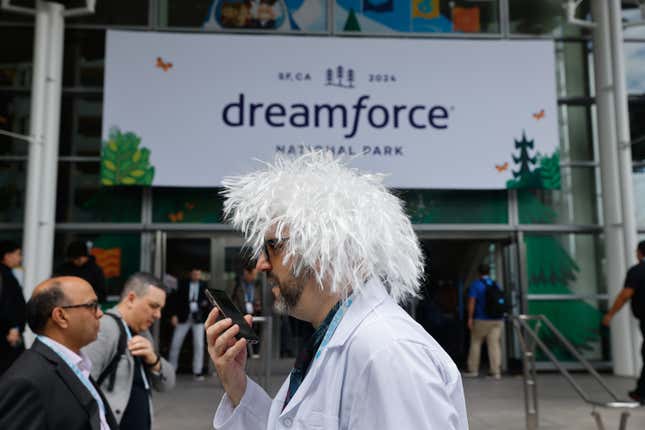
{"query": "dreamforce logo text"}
[(244, 113)]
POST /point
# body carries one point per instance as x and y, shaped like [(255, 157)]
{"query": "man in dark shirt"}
[(634, 290), (80, 263), (188, 307), (12, 305)]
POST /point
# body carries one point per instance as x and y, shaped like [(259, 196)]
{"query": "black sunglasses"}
[(273, 245), (93, 305)]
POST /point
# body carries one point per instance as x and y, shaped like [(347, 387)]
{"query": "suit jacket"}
[(239, 298), (101, 352), (180, 306), (41, 392)]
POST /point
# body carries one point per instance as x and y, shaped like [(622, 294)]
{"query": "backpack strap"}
[(110, 370)]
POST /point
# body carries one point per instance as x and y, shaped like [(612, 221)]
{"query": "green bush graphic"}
[(123, 162)]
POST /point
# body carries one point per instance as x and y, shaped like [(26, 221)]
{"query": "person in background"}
[(483, 326), (49, 386), (80, 263), (634, 292), (247, 296), (12, 305), (188, 308), (126, 365)]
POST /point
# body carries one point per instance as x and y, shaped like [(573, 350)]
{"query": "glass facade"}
[(567, 264)]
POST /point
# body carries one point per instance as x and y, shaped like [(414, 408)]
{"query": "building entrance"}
[(451, 265)]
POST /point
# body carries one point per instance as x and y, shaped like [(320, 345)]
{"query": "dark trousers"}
[(640, 385)]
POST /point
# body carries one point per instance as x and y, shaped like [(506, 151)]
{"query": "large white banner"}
[(190, 109)]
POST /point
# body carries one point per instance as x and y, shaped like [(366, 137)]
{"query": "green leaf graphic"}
[(123, 162)]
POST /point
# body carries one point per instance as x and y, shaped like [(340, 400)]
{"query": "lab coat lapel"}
[(301, 392)]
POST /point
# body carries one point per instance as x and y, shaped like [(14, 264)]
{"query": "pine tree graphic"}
[(525, 160), (350, 78), (529, 174), (330, 76), (352, 22), (552, 270)]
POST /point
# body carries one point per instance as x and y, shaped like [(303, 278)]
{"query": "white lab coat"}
[(380, 370)]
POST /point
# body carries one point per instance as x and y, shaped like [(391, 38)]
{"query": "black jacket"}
[(89, 271), (12, 314), (12, 302), (179, 306), (41, 392)]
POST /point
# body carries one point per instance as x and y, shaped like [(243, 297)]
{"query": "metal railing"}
[(529, 339)]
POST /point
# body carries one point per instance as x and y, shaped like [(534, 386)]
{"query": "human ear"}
[(59, 317)]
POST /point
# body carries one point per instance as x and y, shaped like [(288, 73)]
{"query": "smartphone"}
[(227, 309)]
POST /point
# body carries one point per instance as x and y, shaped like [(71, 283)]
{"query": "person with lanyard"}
[(188, 307), (634, 292), (50, 385), (126, 364), (247, 296), (342, 253)]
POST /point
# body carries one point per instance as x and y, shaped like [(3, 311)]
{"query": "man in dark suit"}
[(12, 305), (188, 308), (49, 386), (247, 296)]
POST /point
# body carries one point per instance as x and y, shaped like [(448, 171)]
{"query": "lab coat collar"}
[(363, 303)]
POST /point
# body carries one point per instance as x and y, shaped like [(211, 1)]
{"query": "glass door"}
[(223, 259)]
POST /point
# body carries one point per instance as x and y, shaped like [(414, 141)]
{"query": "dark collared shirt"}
[(137, 412), (307, 353)]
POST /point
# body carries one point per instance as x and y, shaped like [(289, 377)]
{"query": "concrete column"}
[(621, 344), (34, 164), (49, 173), (624, 156)]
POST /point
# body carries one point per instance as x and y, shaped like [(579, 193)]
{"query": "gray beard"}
[(280, 307), (290, 293)]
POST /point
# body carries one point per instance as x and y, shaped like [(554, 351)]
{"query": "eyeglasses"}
[(273, 245), (93, 306)]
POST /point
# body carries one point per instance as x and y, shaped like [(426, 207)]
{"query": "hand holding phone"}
[(227, 309), (227, 345)]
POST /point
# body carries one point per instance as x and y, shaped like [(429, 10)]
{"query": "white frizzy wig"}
[(343, 226)]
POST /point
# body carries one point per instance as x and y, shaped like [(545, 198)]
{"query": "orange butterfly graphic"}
[(179, 216), (539, 115), (501, 168), (163, 65), (190, 206)]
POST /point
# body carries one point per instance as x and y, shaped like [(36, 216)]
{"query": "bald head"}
[(66, 284), (53, 293)]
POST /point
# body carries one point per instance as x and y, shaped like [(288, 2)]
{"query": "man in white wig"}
[(342, 253)]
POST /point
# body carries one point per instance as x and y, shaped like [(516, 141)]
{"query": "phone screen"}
[(227, 309)]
